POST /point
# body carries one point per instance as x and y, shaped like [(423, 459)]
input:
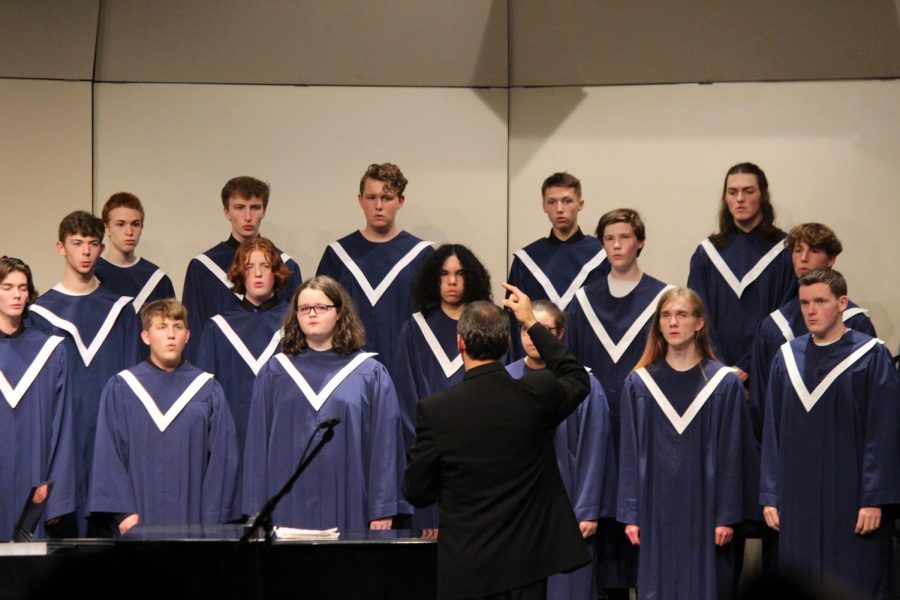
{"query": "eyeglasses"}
[(315, 309)]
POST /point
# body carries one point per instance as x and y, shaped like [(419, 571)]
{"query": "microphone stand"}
[(263, 519)]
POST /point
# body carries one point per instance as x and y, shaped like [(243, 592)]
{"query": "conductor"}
[(484, 451)]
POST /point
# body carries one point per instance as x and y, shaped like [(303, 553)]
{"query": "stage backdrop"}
[(831, 151)]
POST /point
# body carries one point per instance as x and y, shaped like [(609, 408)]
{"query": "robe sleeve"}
[(861, 323), (220, 481), (629, 488), (880, 484), (326, 263), (61, 468), (403, 372), (769, 464), (164, 289), (421, 483), (111, 488), (592, 458), (730, 453), (765, 345), (385, 449), (256, 446)]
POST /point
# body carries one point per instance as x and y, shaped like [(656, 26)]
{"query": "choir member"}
[(101, 332), (237, 344), (354, 482), (377, 264), (680, 464), (555, 267), (207, 289), (585, 456), (36, 437), (831, 447), (166, 450)]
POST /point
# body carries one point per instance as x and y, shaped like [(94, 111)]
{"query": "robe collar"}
[(231, 242), (18, 332), (153, 365), (576, 237), (264, 307)]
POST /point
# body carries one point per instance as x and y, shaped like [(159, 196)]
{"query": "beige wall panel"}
[(830, 149), (590, 42), (335, 42), (46, 168), (48, 39), (176, 145)]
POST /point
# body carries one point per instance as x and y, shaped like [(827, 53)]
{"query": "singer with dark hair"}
[(484, 451), (354, 483)]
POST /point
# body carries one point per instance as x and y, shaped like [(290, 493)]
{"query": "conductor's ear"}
[(460, 344)]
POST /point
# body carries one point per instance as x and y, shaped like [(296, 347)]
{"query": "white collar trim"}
[(680, 422), (161, 420), (374, 294), (577, 282), (87, 352), (14, 394), (614, 350), (728, 275), (148, 288), (449, 366), (255, 363), (317, 400), (809, 399)]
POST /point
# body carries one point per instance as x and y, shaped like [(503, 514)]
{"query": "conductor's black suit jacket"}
[(484, 450)]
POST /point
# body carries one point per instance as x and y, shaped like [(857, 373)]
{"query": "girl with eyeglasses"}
[(322, 374)]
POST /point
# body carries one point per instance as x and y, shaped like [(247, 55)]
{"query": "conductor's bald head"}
[(484, 331)]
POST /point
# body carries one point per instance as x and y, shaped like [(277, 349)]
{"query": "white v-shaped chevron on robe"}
[(87, 352), (254, 362), (317, 400), (680, 422), (750, 276), (375, 294), (161, 420), (614, 350), (561, 301), (809, 399), (448, 366), (14, 394), (782, 323), (148, 288)]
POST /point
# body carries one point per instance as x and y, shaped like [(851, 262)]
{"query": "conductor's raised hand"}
[(519, 304)]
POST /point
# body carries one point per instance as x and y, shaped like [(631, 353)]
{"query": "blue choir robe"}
[(208, 292), (584, 452), (36, 434), (783, 325), (553, 269), (379, 277), (426, 361), (165, 448), (235, 346), (740, 284), (102, 335), (831, 445), (608, 335), (142, 280), (355, 479), (680, 476)]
